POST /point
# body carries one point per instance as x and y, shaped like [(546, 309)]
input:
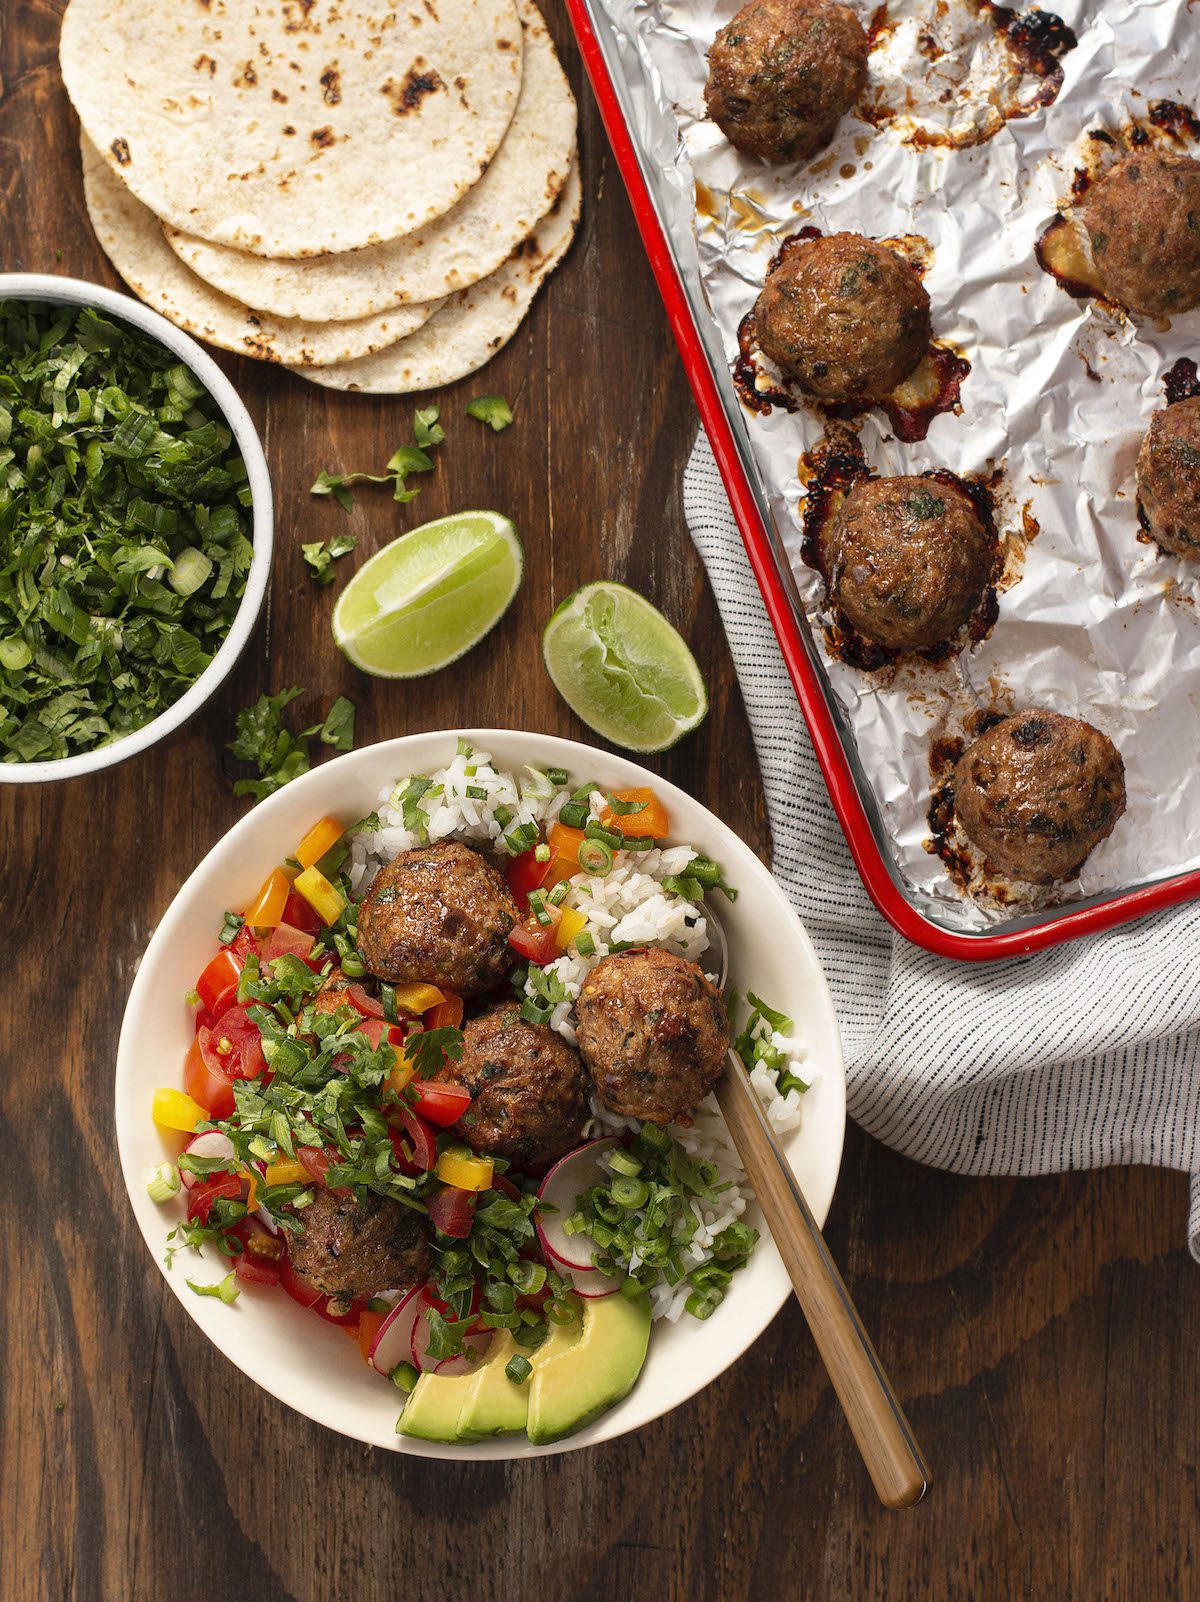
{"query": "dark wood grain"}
[(1042, 1334)]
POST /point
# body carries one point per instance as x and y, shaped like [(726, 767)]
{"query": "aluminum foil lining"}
[(1099, 625)]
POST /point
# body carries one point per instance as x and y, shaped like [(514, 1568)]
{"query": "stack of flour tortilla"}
[(371, 195)]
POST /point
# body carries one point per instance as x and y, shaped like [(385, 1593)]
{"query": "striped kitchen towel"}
[(1078, 1057)]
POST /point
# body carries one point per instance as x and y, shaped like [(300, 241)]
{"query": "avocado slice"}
[(568, 1388), (494, 1405), (440, 1403)]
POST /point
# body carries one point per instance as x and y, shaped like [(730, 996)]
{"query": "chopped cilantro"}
[(924, 506), (279, 754), (320, 555), (428, 1049), (427, 430), (123, 530)]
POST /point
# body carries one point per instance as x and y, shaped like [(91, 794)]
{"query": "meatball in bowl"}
[(908, 561), (844, 318), (1037, 793), (782, 73), (1168, 478), (1143, 225)]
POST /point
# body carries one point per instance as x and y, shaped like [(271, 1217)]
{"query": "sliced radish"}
[(590, 1282), (561, 1189), (393, 1339), (211, 1144), (476, 1344)]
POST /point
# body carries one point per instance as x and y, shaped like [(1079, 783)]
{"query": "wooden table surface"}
[(1042, 1333)]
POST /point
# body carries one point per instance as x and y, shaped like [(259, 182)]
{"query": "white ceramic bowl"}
[(75, 291), (310, 1365)]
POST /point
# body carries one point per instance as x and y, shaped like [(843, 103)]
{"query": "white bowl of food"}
[(147, 548), (312, 1198)]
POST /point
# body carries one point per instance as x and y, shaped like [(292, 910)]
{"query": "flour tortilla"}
[(472, 325), (526, 176), (294, 127), (132, 240)]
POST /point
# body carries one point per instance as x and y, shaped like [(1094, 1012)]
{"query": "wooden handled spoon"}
[(877, 1420)]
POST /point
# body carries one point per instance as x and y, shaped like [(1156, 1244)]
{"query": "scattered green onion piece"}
[(681, 885), (353, 967), (537, 905), (560, 892), (190, 569), (585, 945), (541, 853), (15, 654), (624, 1162), (476, 792), (518, 1369), (521, 838), (387, 997), (573, 816), (163, 1182), (557, 776), (559, 1312), (629, 1192), (595, 857), (703, 1304), (608, 837), (502, 816), (528, 1277), (226, 1289), (637, 842), (404, 1376)]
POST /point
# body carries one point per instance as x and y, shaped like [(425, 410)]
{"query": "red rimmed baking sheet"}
[(715, 399)]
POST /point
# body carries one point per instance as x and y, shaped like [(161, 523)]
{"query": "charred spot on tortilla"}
[(278, 96), (120, 150), (331, 86), (322, 138), (420, 80), (202, 61), (247, 78), (288, 129), (297, 24)]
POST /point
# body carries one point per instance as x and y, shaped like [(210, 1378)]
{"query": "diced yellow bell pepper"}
[(418, 998), (326, 900), (266, 910), (285, 1173), (175, 1109), (569, 925), (321, 838), (401, 1075), (460, 1167)]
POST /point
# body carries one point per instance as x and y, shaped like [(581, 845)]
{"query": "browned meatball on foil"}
[(1037, 792), (653, 1033), (528, 1089), (781, 74), (843, 317), (359, 1248), (440, 915), (908, 561), (1143, 221), (1168, 478)]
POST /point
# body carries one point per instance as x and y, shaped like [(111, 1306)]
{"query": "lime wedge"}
[(619, 664), (430, 595)]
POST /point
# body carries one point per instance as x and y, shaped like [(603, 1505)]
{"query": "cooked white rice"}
[(629, 905)]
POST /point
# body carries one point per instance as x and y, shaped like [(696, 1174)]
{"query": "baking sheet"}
[(1099, 625)]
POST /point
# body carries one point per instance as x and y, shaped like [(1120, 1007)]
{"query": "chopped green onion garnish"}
[(557, 776), (608, 837), (584, 943), (521, 838), (190, 569), (226, 1289), (541, 853), (537, 905), (624, 1162), (163, 1182), (476, 792), (518, 1369), (559, 894), (595, 857), (573, 816)]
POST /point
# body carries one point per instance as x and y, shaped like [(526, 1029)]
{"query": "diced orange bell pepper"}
[(567, 843), (319, 840), (401, 1075), (448, 1013), (416, 999), (366, 1331), (650, 823), (266, 910)]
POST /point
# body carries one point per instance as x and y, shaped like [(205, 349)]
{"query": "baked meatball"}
[(528, 1089), (1143, 222), (1168, 477), (351, 1248), (1037, 792), (843, 317), (908, 561), (782, 73), (653, 1033), (439, 915)]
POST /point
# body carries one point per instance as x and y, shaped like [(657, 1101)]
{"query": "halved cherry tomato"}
[(266, 910), (261, 1257), (413, 1142), (441, 1105), (447, 1014), (525, 873), (452, 1211), (376, 1031), (369, 1006), (286, 941), (201, 1197), (537, 942), (234, 1045), (317, 1163), (256, 1270), (206, 1083), (217, 985), (300, 915), (203, 1019), (650, 823), (297, 1288)]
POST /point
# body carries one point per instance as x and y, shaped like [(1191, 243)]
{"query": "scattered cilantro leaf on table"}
[(406, 460), (493, 410), (279, 754), (320, 555)]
